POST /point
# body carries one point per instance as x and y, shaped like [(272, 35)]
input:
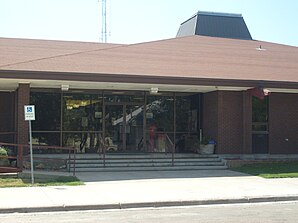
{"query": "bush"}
[(3, 151)]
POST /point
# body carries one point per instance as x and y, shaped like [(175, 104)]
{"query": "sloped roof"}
[(13, 51), (213, 24), (196, 57)]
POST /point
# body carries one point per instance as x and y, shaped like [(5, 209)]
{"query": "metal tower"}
[(104, 21)]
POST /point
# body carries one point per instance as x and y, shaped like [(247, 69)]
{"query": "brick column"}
[(23, 97), (230, 124)]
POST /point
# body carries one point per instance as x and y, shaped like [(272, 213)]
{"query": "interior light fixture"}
[(64, 87), (153, 90)]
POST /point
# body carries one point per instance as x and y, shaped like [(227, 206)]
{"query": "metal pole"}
[(74, 163), (104, 130), (31, 152), (174, 145)]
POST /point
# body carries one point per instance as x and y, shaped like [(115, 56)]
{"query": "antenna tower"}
[(103, 21)]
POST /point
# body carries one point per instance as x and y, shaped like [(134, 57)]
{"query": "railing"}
[(103, 151), (70, 162), (172, 148), (8, 133)]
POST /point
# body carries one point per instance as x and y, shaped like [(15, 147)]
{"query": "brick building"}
[(217, 83)]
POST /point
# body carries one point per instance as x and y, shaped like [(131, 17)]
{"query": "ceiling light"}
[(64, 87), (153, 90)]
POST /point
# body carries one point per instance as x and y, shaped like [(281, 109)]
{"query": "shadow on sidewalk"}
[(151, 175)]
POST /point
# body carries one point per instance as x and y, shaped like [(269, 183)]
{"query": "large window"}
[(47, 125), (124, 96), (187, 119), (160, 122), (260, 128), (47, 111), (82, 121), (184, 115), (137, 121), (82, 112)]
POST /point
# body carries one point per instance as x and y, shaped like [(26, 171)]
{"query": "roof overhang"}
[(76, 81)]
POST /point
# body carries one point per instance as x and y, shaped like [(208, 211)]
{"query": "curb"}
[(148, 204)]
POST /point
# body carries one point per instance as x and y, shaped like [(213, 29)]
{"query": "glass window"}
[(259, 110), (45, 139), (82, 112), (184, 115), (187, 119), (84, 142), (260, 125), (160, 113), (47, 111), (124, 96), (159, 122), (259, 114)]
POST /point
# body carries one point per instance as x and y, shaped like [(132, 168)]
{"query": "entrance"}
[(123, 130)]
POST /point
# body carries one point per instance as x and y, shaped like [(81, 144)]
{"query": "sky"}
[(134, 21)]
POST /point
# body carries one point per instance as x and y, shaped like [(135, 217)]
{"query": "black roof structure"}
[(214, 24)]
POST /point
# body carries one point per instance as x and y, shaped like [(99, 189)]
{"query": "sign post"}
[(29, 116)]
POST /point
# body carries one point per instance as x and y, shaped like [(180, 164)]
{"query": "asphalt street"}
[(276, 212)]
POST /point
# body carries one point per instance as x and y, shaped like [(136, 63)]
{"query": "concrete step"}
[(165, 168), (188, 160), (150, 162), (161, 164), (145, 156)]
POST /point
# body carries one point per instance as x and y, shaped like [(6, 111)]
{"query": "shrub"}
[(3, 151)]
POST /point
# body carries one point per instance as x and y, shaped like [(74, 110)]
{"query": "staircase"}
[(146, 162)]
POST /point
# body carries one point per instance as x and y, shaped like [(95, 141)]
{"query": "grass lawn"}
[(271, 170), (40, 181)]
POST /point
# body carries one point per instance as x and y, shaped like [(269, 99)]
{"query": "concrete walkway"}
[(149, 189)]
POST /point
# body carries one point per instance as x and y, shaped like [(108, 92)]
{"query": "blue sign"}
[(29, 109), (29, 112)]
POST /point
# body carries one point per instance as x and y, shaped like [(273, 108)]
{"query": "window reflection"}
[(47, 111), (260, 125), (124, 96), (184, 114), (187, 121), (82, 112), (125, 114), (159, 122), (46, 139), (83, 142)]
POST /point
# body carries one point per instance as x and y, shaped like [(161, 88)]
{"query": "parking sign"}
[(29, 112)]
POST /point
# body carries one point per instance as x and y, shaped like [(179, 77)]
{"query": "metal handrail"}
[(103, 145), (172, 148), (20, 155), (8, 133)]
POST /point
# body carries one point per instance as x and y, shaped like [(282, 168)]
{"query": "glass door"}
[(134, 120), (113, 132), (123, 127)]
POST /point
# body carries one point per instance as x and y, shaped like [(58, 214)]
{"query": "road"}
[(261, 212)]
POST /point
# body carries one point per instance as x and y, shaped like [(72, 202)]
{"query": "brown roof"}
[(188, 57), (23, 51)]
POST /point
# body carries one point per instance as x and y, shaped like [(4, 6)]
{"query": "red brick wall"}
[(227, 118), (283, 123), (23, 98), (230, 122), (7, 113)]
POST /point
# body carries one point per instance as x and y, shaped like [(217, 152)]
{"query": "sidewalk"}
[(149, 189)]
